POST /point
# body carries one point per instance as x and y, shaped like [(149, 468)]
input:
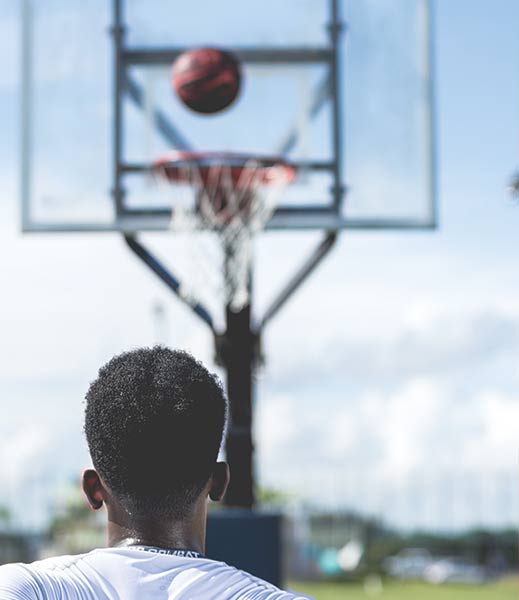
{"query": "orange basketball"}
[(207, 80)]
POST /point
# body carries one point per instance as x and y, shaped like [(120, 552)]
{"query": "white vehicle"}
[(454, 570), (409, 563)]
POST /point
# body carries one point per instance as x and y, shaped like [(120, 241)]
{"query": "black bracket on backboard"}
[(173, 283)]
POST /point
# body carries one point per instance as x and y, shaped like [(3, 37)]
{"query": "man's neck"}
[(184, 534)]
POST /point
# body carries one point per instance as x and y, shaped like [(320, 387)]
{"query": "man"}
[(154, 423)]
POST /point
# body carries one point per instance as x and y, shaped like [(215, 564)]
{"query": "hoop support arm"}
[(164, 126), (321, 95), (301, 275), (169, 279)]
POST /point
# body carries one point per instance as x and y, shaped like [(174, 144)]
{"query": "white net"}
[(227, 199)]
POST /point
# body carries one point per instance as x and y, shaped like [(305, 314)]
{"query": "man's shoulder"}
[(34, 580), (259, 589), (17, 581)]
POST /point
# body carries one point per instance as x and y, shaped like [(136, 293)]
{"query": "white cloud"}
[(21, 453), (403, 421), (498, 445), (416, 454), (440, 344), (277, 425)]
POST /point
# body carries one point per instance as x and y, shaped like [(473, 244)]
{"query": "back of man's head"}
[(154, 423)]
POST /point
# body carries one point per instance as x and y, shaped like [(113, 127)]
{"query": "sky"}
[(391, 382)]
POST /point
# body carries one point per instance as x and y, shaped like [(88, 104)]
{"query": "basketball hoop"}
[(230, 194)]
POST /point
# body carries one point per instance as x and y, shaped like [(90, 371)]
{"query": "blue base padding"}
[(248, 540)]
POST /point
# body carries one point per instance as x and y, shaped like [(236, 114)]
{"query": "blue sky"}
[(392, 377)]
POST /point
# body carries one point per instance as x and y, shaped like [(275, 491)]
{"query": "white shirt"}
[(133, 574)]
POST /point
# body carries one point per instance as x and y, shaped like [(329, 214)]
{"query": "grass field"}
[(505, 590)]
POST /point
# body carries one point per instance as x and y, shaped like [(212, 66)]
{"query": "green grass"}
[(504, 590)]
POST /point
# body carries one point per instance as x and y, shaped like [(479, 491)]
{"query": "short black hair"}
[(154, 423)]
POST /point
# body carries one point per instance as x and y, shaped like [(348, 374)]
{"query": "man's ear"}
[(93, 489), (219, 481)]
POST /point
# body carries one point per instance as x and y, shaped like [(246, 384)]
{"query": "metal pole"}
[(300, 277), (335, 30), (238, 352), (294, 220), (164, 126), (118, 34), (26, 112), (321, 95), (169, 279), (429, 63), (251, 55), (239, 358)]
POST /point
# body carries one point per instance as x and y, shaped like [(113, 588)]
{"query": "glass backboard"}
[(354, 107)]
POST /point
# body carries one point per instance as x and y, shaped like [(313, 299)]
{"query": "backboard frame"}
[(130, 220)]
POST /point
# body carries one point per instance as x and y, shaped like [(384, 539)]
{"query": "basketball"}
[(207, 80)]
